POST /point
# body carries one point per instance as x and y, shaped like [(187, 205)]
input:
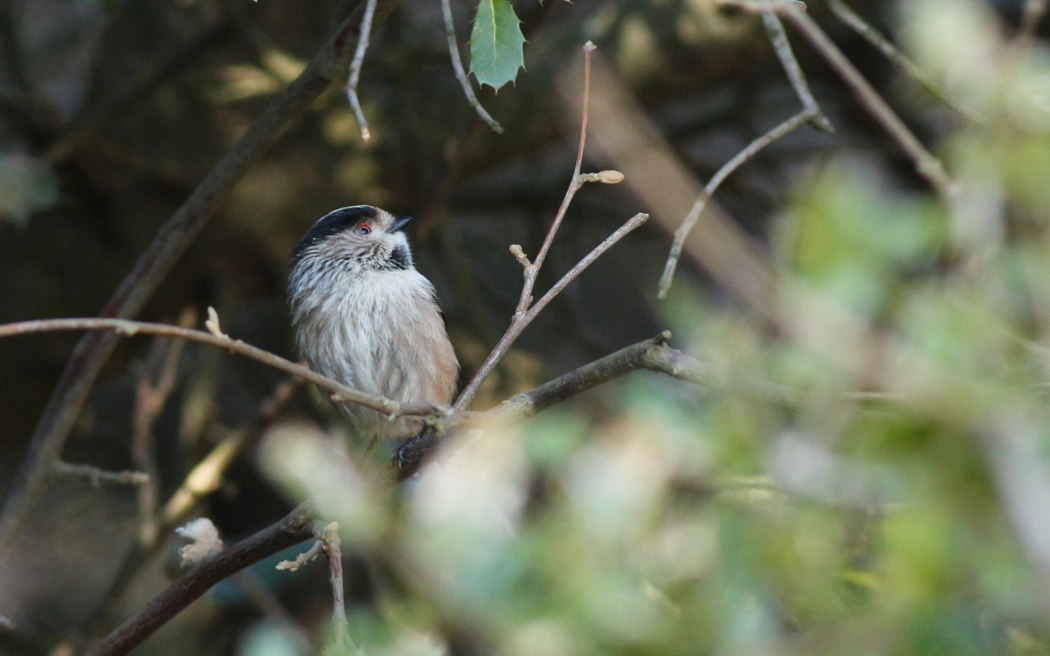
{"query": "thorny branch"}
[(461, 74), (174, 238), (355, 70)]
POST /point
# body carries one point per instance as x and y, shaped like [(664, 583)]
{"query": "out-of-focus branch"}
[(84, 128), (461, 74), (129, 328), (355, 70), (332, 547), (1034, 10), (1017, 467), (811, 113), (174, 238), (97, 476), (877, 39), (202, 480), (781, 45), (926, 164), (682, 233), (293, 529), (150, 399)]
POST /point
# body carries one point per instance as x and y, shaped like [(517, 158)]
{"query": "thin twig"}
[(332, 548), (126, 327), (526, 311), (532, 270), (355, 70), (461, 74), (781, 45), (293, 529), (883, 45), (153, 265), (521, 321), (738, 160), (926, 164), (97, 476)]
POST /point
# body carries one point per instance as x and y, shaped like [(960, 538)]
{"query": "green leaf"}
[(496, 44)]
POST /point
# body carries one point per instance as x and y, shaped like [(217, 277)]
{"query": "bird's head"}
[(359, 237)]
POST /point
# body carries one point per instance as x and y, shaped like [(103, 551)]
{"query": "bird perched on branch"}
[(365, 317)]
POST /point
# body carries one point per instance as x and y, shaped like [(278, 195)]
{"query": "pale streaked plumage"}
[(364, 316)]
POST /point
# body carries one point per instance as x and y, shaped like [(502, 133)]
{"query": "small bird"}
[(365, 317)]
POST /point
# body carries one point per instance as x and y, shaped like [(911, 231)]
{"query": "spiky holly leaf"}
[(496, 44)]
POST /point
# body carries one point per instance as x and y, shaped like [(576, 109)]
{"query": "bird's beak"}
[(398, 223)]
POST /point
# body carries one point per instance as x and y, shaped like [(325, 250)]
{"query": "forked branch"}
[(526, 312)]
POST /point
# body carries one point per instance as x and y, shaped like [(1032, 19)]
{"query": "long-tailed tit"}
[(364, 316)]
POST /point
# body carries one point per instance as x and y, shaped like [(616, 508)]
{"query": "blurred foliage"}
[(871, 477)]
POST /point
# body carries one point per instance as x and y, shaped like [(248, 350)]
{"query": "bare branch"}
[(293, 529), (174, 238), (526, 312), (877, 39), (738, 160), (574, 185), (573, 273), (461, 74), (521, 321), (781, 45), (355, 69), (926, 164), (129, 328), (97, 476), (652, 354)]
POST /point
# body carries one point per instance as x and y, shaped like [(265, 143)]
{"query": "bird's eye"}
[(364, 229)]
